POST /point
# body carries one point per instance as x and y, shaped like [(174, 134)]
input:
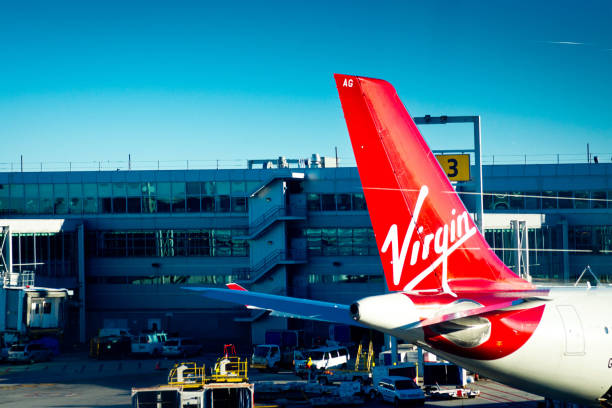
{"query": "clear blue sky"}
[(88, 81)]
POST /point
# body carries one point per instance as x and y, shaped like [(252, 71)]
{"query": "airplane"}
[(448, 292)]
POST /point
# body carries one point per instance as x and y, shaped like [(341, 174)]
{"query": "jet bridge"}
[(26, 310)]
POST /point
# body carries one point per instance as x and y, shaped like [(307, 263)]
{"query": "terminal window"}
[(166, 243), (121, 198)]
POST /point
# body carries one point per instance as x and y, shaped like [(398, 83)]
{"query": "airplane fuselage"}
[(567, 356)]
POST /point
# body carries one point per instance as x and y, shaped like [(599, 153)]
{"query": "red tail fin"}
[(426, 238)]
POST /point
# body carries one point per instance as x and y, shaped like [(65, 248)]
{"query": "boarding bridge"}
[(25, 309), (5, 253)]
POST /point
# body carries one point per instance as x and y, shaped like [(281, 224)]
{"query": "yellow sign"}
[(456, 166)]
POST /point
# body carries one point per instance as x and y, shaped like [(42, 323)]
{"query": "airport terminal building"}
[(128, 242)]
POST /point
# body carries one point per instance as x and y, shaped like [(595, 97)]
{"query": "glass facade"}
[(164, 243), (594, 239), (166, 279), (340, 278), (54, 253), (546, 246), (545, 261), (133, 220), (122, 198), (336, 202), (547, 200), (47, 254), (340, 241)]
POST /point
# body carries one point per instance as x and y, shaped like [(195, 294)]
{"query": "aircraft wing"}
[(283, 306)]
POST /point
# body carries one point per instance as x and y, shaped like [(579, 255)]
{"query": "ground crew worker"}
[(309, 367)]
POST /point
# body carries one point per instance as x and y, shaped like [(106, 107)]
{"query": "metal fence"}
[(116, 165)]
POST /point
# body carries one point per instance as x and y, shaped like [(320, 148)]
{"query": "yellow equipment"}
[(364, 360), (230, 369), (187, 375)]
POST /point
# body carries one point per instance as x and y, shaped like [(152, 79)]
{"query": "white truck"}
[(270, 357), (266, 357)]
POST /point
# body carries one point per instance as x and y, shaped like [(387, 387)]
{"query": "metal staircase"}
[(364, 359), (278, 257), (274, 214)]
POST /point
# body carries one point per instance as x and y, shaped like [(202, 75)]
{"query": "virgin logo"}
[(454, 235)]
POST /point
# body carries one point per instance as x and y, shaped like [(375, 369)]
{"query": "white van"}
[(322, 358), (149, 343)]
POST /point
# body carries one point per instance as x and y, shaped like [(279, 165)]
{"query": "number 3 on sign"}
[(456, 166), (452, 168)]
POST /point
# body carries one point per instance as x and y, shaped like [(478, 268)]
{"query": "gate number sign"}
[(456, 166)]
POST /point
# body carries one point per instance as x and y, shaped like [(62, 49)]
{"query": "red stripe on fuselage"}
[(509, 331)]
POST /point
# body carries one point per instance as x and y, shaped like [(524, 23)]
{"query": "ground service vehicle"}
[(110, 343), (181, 346), (360, 372), (189, 386), (266, 357), (322, 358), (337, 375), (448, 291), (400, 391), (28, 353), (151, 344), (109, 347), (437, 392)]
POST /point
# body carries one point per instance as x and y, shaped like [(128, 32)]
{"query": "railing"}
[(265, 264), (19, 279), (114, 165), (187, 375), (594, 158), (230, 369), (273, 259), (273, 214)]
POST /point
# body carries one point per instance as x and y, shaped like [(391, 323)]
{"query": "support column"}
[(478, 177), (5, 270), (420, 367), (6, 239), (565, 242), (81, 282), (394, 350), (391, 341)]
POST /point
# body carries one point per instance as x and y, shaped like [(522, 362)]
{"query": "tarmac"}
[(74, 380)]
